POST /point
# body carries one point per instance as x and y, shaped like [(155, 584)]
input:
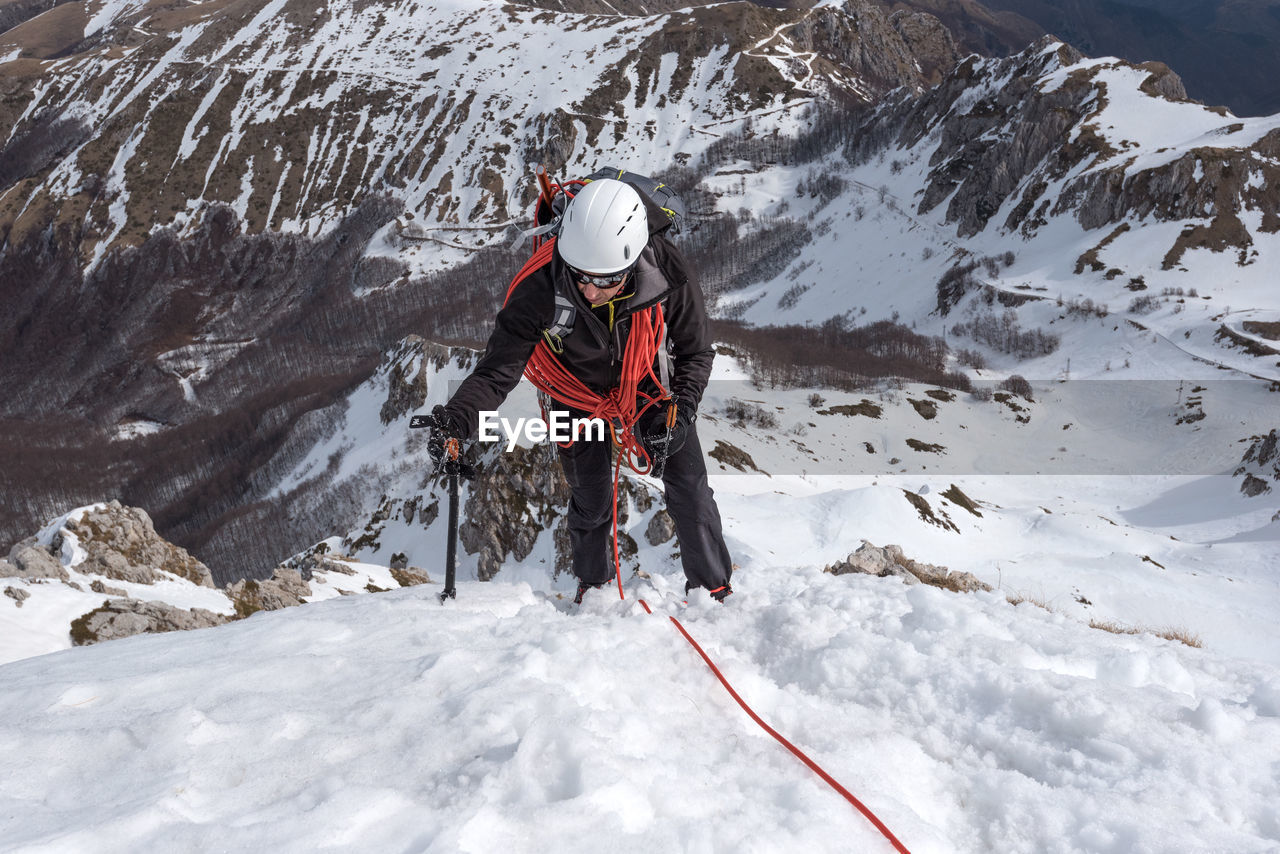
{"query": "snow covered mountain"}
[(214, 218), (292, 112), (1224, 49), (1063, 188)]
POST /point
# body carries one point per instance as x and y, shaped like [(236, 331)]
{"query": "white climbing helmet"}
[(604, 228)]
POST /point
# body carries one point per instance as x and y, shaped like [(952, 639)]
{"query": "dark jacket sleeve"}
[(689, 331), (516, 331)]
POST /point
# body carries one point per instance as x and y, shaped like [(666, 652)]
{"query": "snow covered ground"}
[(503, 721)]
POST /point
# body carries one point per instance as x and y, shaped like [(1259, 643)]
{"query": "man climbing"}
[(611, 268)]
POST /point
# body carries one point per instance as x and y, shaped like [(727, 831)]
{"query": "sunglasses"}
[(604, 283)]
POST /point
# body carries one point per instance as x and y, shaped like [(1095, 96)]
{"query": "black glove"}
[(665, 435), (442, 430)]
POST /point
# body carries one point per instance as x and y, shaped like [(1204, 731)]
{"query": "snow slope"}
[(504, 722)]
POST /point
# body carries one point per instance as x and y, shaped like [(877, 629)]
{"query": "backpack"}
[(547, 210), (553, 198)]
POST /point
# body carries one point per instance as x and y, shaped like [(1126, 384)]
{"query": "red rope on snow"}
[(620, 408), (813, 766)]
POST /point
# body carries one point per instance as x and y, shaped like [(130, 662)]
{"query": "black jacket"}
[(592, 352)]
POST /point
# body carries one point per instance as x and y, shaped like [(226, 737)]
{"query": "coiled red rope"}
[(799, 754)]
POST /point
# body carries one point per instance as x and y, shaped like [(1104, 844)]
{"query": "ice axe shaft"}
[(448, 452), (451, 467)]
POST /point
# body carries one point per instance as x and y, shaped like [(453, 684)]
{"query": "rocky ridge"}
[(1225, 50), (64, 569), (1017, 142), (1260, 466)]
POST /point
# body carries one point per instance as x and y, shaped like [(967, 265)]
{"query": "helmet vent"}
[(626, 253)]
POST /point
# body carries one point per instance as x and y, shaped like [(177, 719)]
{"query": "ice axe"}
[(447, 452)]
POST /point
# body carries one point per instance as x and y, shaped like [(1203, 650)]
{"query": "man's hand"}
[(666, 435), (443, 432)]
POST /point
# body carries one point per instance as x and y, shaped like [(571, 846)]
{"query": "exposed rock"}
[(1268, 330), (284, 589), (870, 560), (927, 409), (28, 559), (122, 543), (326, 565), (517, 496), (1163, 82), (1252, 486), (1235, 340), (514, 498), (1260, 465), (410, 576), (316, 560), (940, 517), (98, 587), (405, 367), (121, 618), (931, 43), (18, 595), (890, 561), (863, 407), (661, 528), (975, 27), (861, 41), (955, 496), (733, 456)]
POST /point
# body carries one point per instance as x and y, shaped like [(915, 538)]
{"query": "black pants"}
[(588, 467)]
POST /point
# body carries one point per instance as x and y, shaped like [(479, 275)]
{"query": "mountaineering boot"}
[(719, 594), (584, 586)]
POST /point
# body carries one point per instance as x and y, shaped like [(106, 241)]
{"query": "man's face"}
[(598, 289), (599, 296)]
